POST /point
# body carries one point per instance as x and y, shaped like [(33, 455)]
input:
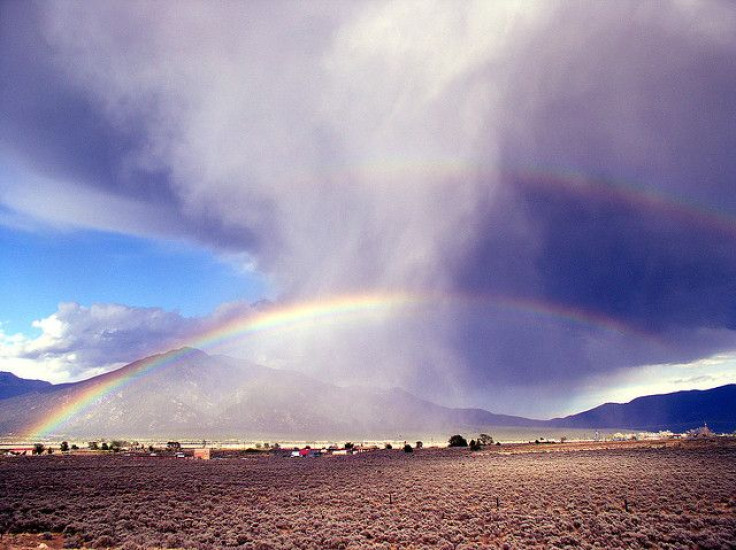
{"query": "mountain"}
[(189, 394), (11, 385), (678, 412)]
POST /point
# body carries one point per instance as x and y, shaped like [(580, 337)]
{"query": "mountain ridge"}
[(676, 411), (12, 385), (188, 393)]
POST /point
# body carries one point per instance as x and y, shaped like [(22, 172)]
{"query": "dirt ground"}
[(627, 495), (25, 541)]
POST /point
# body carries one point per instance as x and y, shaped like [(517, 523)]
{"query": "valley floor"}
[(620, 497)]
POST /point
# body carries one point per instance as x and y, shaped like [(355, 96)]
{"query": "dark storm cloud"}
[(54, 129), (649, 264), (616, 198), (618, 178), (45, 115), (593, 140)]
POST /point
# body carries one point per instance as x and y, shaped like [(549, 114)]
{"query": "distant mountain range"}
[(192, 394), (189, 394), (678, 412), (11, 385)]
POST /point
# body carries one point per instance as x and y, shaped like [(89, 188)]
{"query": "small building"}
[(341, 452), (306, 453), (19, 451), (702, 432), (204, 454)]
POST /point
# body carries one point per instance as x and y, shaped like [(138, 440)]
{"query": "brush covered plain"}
[(433, 498)]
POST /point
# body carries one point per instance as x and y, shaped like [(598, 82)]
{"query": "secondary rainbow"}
[(353, 308), (679, 207), (339, 309)]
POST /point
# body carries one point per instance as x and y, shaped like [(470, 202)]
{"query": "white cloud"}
[(77, 342)]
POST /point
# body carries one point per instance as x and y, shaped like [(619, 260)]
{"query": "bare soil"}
[(534, 496)]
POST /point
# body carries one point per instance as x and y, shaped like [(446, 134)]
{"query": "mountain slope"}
[(192, 394), (189, 394), (11, 385), (674, 411)]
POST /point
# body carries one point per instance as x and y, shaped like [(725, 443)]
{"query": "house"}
[(341, 452), (204, 454), (306, 453), (700, 433), (19, 451)]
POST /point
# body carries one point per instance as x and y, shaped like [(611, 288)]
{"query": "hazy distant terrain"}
[(199, 395), (214, 396)]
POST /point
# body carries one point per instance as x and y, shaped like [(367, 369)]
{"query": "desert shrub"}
[(457, 441), (103, 541), (74, 541), (677, 497)]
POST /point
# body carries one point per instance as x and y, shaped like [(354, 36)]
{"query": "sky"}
[(537, 198)]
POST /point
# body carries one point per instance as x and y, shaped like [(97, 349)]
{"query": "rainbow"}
[(97, 388), (355, 307), (315, 313), (621, 191), (678, 208)]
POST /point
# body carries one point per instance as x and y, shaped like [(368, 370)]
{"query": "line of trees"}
[(483, 440)]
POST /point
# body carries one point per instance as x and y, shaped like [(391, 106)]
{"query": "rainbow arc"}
[(336, 310)]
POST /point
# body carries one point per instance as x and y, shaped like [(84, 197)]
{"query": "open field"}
[(621, 497)]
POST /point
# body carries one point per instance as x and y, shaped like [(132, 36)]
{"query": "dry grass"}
[(607, 498)]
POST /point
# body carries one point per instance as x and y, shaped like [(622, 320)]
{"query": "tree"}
[(349, 445), (93, 446), (475, 445), (75, 447), (115, 446), (64, 447), (38, 448), (458, 441), (418, 445), (388, 446), (408, 449), (485, 439), (104, 446)]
